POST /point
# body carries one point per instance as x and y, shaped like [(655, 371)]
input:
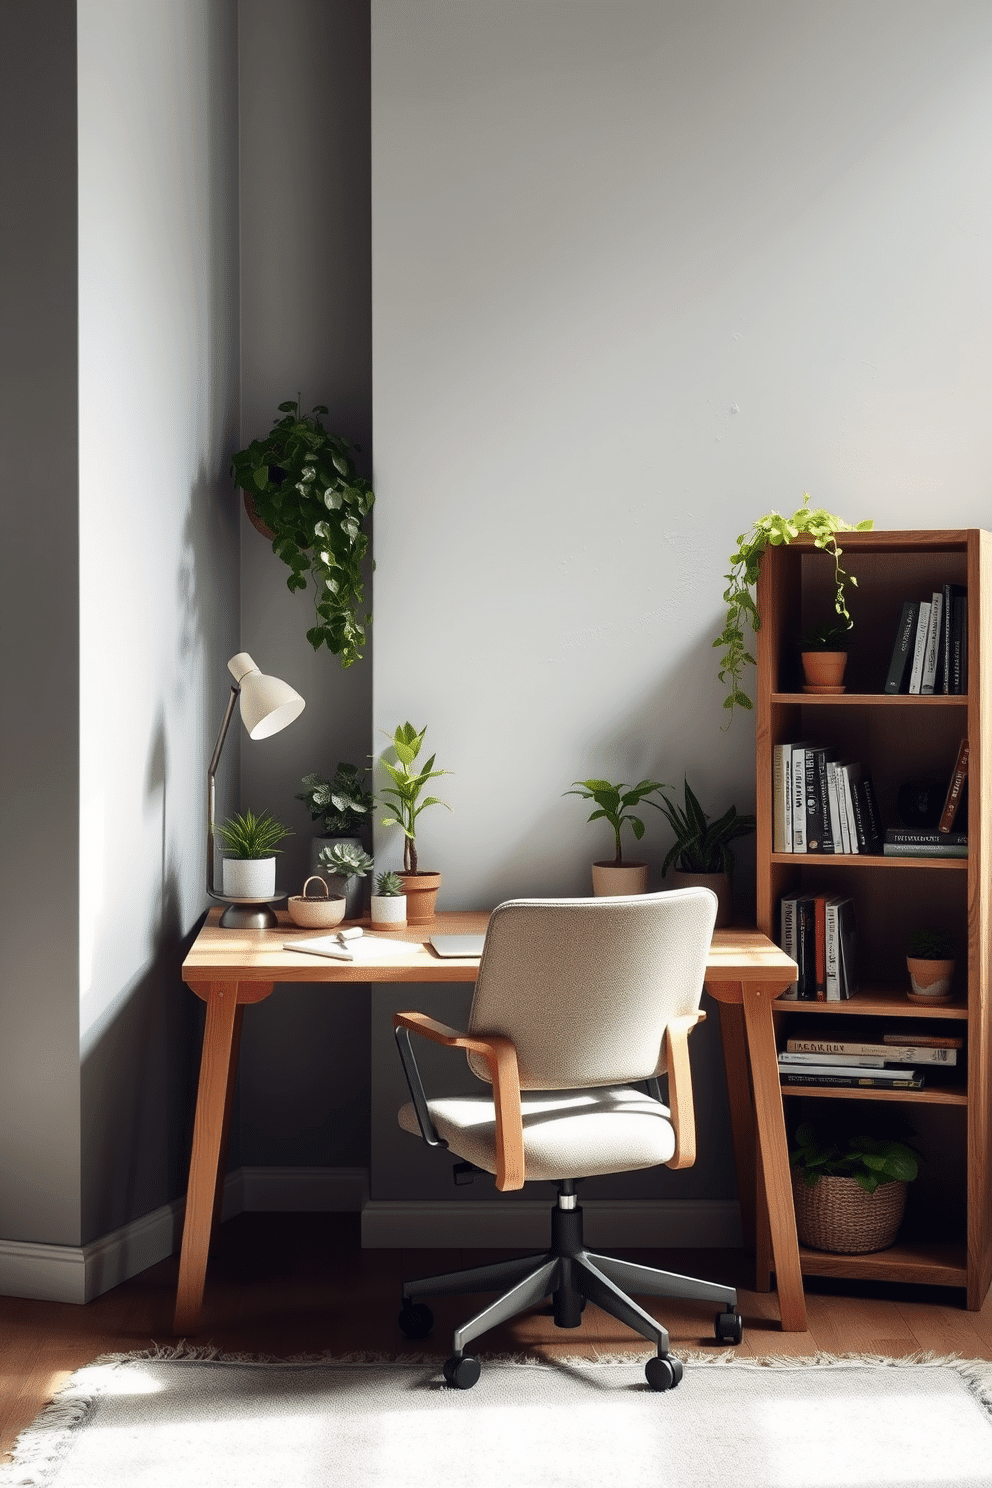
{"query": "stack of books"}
[(820, 933), (822, 804), (893, 1063), (930, 650)]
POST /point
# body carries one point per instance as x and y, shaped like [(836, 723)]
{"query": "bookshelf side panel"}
[(979, 919)]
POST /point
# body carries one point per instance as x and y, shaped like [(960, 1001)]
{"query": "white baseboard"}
[(713, 1223), (77, 1273)]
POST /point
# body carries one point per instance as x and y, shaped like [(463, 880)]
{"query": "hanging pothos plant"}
[(302, 483), (772, 531)]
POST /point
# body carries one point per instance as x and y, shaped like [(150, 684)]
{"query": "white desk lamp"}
[(267, 705)]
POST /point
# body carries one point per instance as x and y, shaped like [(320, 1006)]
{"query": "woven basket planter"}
[(837, 1215)]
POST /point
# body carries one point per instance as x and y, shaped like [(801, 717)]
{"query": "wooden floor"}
[(284, 1284)]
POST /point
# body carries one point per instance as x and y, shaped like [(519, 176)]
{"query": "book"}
[(799, 798), (789, 936), (924, 850), (955, 788), (921, 1036), (873, 1071), (781, 798), (951, 592), (806, 944), (815, 802), (820, 946), (847, 930), (926, 839), (959, 644), (800, 1059), (834, 988), (920, 645), (872, 1081), (898, 678), (833, 808), (871, 820), (914, 1051), (847, 780), (931, 660)]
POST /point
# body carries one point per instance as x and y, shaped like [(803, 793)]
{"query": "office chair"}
[(576, 1002)]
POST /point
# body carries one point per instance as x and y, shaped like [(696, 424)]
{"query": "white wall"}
[(158, 534), (643, 270)]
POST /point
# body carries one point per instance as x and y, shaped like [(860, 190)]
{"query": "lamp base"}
[(248, 917)]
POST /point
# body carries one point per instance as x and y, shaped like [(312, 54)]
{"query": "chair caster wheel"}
[(728, 1327), (462, 1371), (663, 1374), (415, 1320)]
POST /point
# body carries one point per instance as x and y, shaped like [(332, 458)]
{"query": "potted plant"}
[(772, 530), (930, 963), (342, 865), (824, 653), (343, 809), (850, 1198), (388, 903), (403, 799), (249, 867), (701, 851), (302, 492), (613, 804)]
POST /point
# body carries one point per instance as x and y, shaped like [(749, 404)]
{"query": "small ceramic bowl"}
[(317, 912)]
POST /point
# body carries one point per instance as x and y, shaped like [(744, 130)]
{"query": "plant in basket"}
[(850, 1190)]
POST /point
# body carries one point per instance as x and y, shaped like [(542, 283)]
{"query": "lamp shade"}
[(267, 703)]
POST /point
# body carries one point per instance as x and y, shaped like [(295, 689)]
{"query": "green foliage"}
[(303, 483), (388, 885), (345, 860), (613, 803), (826, 636), (702, 846), (341, 805), (403, 796), (930, 945), (870, 1161), (251, 836), (772, 530)]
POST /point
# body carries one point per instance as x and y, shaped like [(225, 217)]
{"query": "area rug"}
[(152, 1421)]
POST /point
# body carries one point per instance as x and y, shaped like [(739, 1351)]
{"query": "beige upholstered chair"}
[(578, 1002)]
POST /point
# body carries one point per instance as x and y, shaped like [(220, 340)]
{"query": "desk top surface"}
[(736, 955)]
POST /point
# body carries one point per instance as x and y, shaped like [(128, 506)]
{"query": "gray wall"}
[(39, 622), (643, 270), (305, 328)]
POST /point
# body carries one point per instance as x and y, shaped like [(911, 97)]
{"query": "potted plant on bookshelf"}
[(930, 963), (613, 803), (824, 653), (343, 865), (302, 492), (403, 799), (701, 851), (772, 530), (850, 1195), (343, 809), (249, 865), (388, 903)]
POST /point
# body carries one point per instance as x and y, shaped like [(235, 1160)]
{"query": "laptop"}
[(458, 945)]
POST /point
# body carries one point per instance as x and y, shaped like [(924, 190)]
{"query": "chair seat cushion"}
[(567, 1133)]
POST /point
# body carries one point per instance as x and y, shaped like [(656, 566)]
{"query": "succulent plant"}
[(388, 885), (344, 860)]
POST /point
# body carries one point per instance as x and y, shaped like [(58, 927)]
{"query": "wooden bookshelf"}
[(948, 1239)]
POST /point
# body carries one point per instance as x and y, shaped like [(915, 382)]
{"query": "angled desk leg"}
[(213, 1112), (733, 1036)]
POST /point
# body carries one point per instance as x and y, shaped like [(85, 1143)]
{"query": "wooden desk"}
[(228, 969)]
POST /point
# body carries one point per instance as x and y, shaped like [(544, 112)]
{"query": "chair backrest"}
[(585, 987)]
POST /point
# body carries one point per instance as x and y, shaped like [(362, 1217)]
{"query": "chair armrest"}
[(680, 1089), (501, 1061)]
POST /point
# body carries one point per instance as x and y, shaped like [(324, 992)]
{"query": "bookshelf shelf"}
[(898, 738)]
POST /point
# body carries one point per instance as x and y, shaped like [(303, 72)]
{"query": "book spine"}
[(926, 839), (954, 790), (833, 808), (814, 806), (930, 661), (823, 795), (820, 945), (831, 1049), (780, 796), (922, 850), (789, 944), (873, 816), (920, 645), (875, 1071), (922, 1040), (798, 799), (806, 933), (831, 951), (959, 631), (947, 618), (914, 1082), (859, 821), (847, 777), (847, 942), (902, 646)]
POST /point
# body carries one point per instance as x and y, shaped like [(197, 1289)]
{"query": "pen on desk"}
[(352, 934)]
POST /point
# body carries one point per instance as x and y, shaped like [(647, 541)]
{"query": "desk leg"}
[(734, 1039), (216, 1077), (774, 1153), (225, 1135)]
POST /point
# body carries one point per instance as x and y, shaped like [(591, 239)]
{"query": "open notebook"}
[(367, 948)]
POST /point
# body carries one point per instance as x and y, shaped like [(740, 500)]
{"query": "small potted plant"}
[(613, 803), (249, 844), (403, 798), (930, 963), (342, 865), (850, 1194), (342, 808), (388, 903), (701, 851), (824, 652), (302, 492)]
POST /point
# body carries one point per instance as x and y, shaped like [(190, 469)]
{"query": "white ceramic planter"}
[(249, 878), (623, 878), (388, 911)]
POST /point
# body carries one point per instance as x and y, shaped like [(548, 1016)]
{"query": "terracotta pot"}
[(718, 882), (255, 519), (421, 896), (824, 669), (619, 878), (388, 911), (930, 981), (837, 1215)]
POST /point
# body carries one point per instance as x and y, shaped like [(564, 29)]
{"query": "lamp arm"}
[(211, 772)]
